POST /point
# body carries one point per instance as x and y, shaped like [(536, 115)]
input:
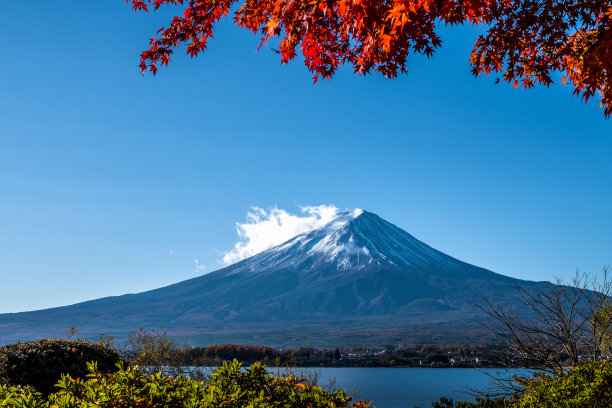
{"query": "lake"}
[(408, 387)]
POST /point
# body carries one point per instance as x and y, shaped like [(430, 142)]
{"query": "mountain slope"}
[(358, 280)]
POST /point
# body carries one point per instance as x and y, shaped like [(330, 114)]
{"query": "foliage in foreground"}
[(587, 385), (41, 363), (229, 386)]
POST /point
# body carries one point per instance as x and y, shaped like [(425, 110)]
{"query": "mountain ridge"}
[(358, 276)]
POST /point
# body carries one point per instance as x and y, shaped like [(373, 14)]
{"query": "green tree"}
[(586, 385), (601, 320)]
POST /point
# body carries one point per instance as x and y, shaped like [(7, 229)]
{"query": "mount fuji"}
[(357, 280)]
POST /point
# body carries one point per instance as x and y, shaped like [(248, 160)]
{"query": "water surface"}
[(409, 387)]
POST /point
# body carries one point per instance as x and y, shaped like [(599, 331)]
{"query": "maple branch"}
[(527, 41)]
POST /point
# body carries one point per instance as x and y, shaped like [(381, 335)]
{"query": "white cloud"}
[(265, 229), (198, 267), (172, 252)]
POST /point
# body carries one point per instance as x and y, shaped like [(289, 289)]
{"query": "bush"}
[(257, 387), (587, 385), (229, 387), (41, 363)]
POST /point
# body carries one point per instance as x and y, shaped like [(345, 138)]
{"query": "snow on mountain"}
[(352, 241)]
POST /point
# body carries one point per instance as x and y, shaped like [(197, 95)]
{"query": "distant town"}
[(387, 356)]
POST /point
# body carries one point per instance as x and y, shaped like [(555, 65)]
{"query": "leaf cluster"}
[(587, 385), (526, 41), (230, 386)]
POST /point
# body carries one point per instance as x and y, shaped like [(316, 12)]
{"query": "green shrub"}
[(41, 363), (587, 385), (230, 386), (23, 397)]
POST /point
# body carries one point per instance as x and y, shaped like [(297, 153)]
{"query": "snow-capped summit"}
[(351, 241)]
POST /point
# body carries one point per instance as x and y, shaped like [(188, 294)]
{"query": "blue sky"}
[(115, 183)]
